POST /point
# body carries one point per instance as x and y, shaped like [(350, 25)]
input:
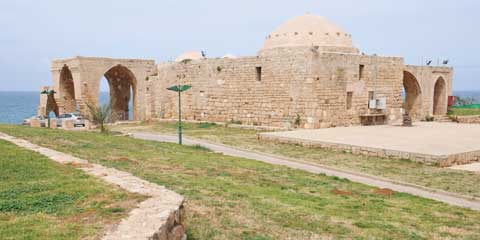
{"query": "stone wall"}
[(468, 119), (427, 77), (281, 87), (87, 73), (295, 83)]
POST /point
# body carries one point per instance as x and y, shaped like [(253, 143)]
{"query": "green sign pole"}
[(179, 89), (179, 117)]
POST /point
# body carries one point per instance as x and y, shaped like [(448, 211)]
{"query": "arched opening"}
[(412, 95), (121, 86), (440, 97), (67, 90), (52, 106)]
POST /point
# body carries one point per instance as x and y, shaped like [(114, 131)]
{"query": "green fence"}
[(469, 106)]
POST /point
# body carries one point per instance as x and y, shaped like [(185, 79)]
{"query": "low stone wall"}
[(468, 119), (53, 123), (160, 217), (438, 160), (35, 123), (68, 124)]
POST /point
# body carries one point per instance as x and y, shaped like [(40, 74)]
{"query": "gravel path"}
[(438, 195)]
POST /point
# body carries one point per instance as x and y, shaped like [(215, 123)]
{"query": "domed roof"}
[(230, 56), (310, 30), (193, 55)]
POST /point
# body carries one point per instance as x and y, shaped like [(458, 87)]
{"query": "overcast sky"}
[(33, 32)]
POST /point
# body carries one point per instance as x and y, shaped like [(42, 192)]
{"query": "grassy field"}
[(458, 111), (234, 198), (461, 182), (40, 199)]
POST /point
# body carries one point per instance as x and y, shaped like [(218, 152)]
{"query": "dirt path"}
[(442, 196), (161, 215)]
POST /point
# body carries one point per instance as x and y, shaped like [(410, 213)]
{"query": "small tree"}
[(461, 101), (100, 115)]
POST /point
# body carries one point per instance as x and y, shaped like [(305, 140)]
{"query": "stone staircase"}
[(443, 118)]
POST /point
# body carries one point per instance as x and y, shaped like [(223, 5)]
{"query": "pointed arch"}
[(122, 84), (440, 97), (412, 95), (67, 90)]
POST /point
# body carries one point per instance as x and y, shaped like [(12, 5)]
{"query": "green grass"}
[(40, 199), (234, 198), (459, 111), (461, 182)]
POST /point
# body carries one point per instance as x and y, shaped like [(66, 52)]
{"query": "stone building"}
[(308, 73)]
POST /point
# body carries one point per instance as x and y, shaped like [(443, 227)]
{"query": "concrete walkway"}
[(438, 195), (473, 167)]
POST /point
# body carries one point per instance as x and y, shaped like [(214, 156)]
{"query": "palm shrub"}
[(100, 115)]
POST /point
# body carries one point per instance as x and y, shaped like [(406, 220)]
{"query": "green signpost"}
[(179, 89), (48, 93)]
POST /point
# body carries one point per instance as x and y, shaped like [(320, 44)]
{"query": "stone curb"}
[(160, 217)]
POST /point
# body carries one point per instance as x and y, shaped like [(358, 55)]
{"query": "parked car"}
[(78, 120), (43, 120)]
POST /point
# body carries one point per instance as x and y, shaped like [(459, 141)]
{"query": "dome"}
[(230, 56), (310, 30), (193, 55)]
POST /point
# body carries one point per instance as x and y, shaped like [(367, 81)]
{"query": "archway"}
[(440, 97), (52, 106), (122, 86), (67, 90), (412, 95)]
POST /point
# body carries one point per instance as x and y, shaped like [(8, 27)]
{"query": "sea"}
[(16, 106)]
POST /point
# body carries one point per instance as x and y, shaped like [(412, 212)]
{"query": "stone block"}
[(35, 123), (67, 124), (89, 125), (53, 123)]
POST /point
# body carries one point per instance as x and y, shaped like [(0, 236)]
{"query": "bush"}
[(206, 125), (297, 121), (460, 102), (100, 115), (429, 118)]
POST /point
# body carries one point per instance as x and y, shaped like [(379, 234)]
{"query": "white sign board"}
[(382, 103)]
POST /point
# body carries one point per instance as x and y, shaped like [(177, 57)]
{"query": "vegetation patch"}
[(40, 199), (235, 198), (462, 111), (465, 183), (384, 191)]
